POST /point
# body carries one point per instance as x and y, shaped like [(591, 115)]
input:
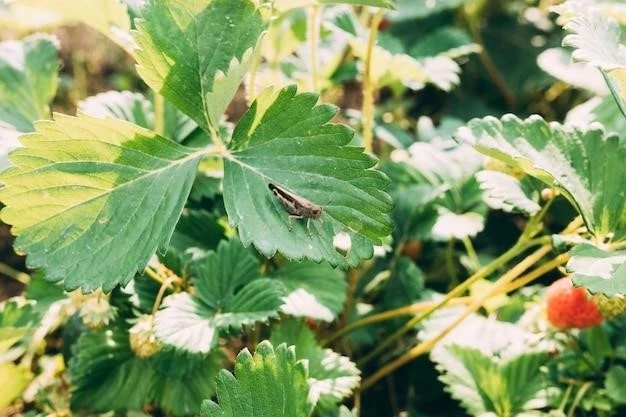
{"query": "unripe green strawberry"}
[(610, 307), (569, 307), (143, 341)]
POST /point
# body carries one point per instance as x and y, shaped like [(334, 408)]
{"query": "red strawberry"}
[(569, 307)]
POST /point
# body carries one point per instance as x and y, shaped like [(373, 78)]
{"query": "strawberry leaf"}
[(578, 163), (285, 140), (91, 200), (196, 54), (598, 270)]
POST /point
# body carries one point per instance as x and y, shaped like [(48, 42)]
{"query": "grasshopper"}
[(298, 207)]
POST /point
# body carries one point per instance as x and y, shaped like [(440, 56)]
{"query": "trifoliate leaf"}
[(229, 295), (288, 143), (596, 41), (269, 384), (14, 380), (91, 200), (107, 376), (332, 377), (196, 54), (313, 290), (505, 192), (134, 107), (558, 63), (598, 270), (484, 384), (109, 17), (576, 162)]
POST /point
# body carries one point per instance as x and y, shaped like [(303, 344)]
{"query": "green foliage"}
[(108, 376), (200, 73), (332, 377), (17, 319), (269, 384), (313, 290), (571, 160), (284, 139), (78, 212), (505, 192), (598, 270), (486, 385), (229, 295)]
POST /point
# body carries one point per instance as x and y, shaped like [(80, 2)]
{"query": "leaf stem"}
[(13, 273), (579, 396), (478, 302), (368, 83), (484, 272), (159, 114), (313, 25), (157, 302), (391, 314), (471, 253)]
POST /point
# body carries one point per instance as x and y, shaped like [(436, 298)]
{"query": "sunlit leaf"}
[(596, 41), (598, 270), (285, 140), (17, 319), (558, 63), (14, 379), (412, 9), (576, 162), (185, 55), (505, 192), (109, 17), (269, 384), (91, 200), (313, 290)]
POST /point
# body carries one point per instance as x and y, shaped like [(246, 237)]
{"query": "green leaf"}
[(100, 196), (576, 162), (313, 290), (558, 63), (405, 285), (484, 384), (598, 270), (447, 41), (418, 9), (107, 376), (196, 54), (17, 319), (332, 377), (269, 384), (14, 380), (229, 295), (596, 41), (598, 109), (42, 292), (28, 80), (109, 17), (197, 232), (507, 193), (289, 143), (387, 4), (134, 107), (615, 384)]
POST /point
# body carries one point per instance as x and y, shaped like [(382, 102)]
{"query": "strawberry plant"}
[(294, 208)]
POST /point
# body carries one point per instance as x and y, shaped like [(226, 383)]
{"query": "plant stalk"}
[(368, 83)]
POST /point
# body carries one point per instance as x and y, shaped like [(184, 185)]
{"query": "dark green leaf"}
[(269, 384), (285, 140)]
